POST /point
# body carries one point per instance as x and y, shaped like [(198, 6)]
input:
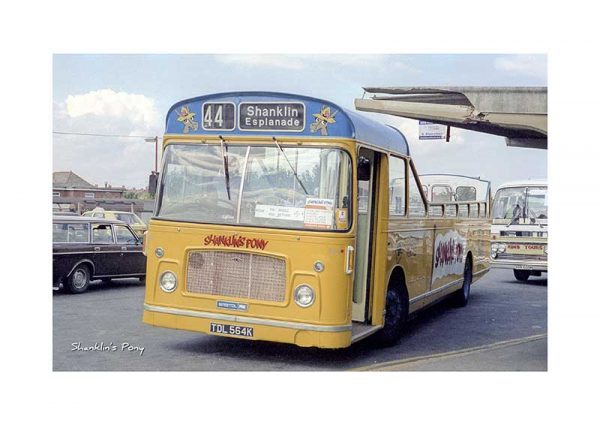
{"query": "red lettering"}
[(235, 241)]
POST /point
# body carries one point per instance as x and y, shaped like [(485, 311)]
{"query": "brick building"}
[(72, 193)]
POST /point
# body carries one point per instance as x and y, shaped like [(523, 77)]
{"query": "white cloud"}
[(534, 65), (138, 110), (118, 160)]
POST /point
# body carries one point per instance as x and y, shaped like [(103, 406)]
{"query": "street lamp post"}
[(155, 141)]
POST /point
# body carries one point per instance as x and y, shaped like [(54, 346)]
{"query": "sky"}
[(130, 95)]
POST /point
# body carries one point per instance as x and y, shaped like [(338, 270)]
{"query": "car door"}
[(132, 259), (107, 254)]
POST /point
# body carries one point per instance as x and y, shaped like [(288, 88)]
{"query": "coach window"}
[(416, 207), (397, 186)]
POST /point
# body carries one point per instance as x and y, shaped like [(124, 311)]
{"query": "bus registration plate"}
[(243, 331)]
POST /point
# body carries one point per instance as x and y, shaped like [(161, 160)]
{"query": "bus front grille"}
[(236, 275)]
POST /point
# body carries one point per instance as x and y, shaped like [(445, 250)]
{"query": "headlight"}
[(494, 247), (304, 296), (168, 281), (501, 247)]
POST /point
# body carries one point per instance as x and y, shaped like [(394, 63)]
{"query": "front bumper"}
[(301, 334), (520, 265)]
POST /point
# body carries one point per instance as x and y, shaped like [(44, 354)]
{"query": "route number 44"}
[(218, 116)]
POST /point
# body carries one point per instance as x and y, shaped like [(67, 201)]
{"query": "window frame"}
[(129, 229), (405, 209), (112, 232), (351, 180)]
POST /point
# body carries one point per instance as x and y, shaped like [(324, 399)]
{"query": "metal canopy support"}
[(517, 113)]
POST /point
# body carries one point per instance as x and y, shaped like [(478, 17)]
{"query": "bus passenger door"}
[(367, 166)]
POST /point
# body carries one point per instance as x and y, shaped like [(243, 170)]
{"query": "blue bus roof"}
[(278, 114)]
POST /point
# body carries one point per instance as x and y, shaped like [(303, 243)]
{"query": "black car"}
[(87, 248)]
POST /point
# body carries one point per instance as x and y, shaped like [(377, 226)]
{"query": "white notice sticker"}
[(318, 213), (279, 212)]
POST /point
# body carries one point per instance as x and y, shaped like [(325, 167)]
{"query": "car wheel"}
[(522, 275), (79, 280), (396, 316), (461, 298)]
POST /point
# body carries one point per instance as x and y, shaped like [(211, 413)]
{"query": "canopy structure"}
[(518, 113)]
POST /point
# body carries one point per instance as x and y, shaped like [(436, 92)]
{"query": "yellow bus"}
[(282, 218)]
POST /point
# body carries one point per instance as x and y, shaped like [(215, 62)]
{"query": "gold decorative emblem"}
[(187, 118), (322, 119)]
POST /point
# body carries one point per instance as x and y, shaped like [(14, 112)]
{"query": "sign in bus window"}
[(218, 116)]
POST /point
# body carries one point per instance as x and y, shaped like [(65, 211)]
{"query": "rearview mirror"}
[(363, 171)]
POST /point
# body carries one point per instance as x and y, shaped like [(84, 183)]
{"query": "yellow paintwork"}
[(300, 249)]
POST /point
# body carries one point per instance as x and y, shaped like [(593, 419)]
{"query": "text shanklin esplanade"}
[(235, 241), (276, 116)]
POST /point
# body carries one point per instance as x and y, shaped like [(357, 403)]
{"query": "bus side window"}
[(474, 210), (416, 206), (450, 210), (397, 183), (436, 211)]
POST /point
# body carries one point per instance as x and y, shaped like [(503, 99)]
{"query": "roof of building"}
[(268, 114), (68, 179)]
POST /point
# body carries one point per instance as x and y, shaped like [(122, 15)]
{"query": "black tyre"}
[(461, 298), (79, 280), (396, 316), (522, 275)]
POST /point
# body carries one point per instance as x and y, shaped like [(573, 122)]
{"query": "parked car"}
[(71, 213), (88, 248), (130, 218)]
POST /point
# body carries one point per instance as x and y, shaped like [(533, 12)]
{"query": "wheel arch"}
[(88, 263), (397, 279)]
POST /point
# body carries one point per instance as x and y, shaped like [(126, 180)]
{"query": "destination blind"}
[(272, 116)]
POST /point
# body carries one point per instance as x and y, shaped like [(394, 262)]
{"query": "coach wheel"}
[(79, 280), (461, 298), (396, 316), (522, 275)]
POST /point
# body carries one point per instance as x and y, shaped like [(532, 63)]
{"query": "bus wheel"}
[(522, 275), (396, 316), (79, 280), (461, 298)]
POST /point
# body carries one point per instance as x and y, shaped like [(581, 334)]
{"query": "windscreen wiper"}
[(291, 166), (225, 165)]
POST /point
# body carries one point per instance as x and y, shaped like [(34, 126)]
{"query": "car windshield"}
[(128, 218), (291, 187), (514, 203)]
